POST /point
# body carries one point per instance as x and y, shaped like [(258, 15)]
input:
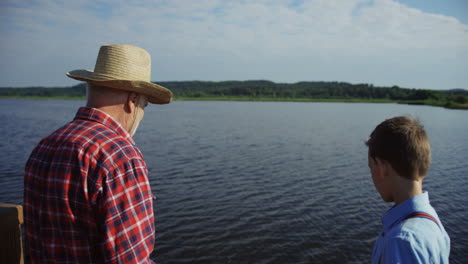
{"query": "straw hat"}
[(124, 67)]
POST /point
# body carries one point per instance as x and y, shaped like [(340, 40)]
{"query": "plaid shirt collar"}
[(96, 115)]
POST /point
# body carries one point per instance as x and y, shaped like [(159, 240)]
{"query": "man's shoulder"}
[(84, 132), (92, 138)]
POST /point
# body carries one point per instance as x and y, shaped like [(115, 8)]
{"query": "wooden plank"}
[(11, 248)]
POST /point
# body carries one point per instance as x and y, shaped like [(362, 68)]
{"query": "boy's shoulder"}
[(417, 228), (421, 225), (418, 236)]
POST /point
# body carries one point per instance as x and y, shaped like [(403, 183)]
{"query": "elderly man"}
[(87, 197)]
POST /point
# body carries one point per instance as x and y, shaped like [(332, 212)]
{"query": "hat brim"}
[(157, 94)]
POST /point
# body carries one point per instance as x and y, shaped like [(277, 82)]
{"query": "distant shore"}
[(450, 105), (264, 90)]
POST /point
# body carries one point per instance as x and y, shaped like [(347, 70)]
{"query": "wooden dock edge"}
[(11, 245)]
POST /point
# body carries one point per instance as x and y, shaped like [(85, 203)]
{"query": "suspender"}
[(423, 215), (417, 214), (414, 215)]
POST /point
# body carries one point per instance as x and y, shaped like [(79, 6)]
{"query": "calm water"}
[(262, 182)]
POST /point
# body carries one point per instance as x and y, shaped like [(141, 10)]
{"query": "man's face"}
[(139, 113)]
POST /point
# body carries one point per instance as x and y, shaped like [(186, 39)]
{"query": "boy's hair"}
[(403, 143)]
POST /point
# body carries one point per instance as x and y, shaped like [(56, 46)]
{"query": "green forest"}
[(263, 90)]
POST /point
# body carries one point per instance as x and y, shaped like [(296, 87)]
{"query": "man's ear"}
[(131, 102)]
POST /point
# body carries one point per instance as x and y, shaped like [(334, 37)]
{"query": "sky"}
[(408, 43)]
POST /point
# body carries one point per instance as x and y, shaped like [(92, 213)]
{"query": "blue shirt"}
[(414, 240)]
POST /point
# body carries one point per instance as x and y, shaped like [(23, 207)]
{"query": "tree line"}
[(267, 89)]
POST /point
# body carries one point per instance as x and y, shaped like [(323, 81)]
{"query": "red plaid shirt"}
[(87, 197)]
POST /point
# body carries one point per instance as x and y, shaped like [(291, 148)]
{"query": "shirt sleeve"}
[(126, 214), (402, 249)]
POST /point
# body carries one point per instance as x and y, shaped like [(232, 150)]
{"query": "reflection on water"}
[(258, 182)]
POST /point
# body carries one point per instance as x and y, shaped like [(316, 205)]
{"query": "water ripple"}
[(240, 182)]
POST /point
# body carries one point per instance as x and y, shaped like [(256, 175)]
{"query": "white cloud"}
[(381, 41)]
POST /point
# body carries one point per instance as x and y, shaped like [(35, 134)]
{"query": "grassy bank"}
[(44, 97), (276, 99), (450, 105)]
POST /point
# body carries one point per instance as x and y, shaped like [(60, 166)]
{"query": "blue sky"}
[(454, 8), (409, 43)]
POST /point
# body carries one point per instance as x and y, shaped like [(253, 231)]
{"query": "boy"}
[(399, 157)]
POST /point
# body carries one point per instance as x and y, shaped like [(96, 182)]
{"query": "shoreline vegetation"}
[(261, 90)]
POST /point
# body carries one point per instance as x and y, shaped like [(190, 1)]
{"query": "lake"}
[(262, 182)]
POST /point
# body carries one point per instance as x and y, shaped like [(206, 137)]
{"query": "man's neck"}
[(405, 189), (116, 112)]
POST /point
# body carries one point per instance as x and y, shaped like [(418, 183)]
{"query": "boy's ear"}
[(384, 167), (381, 167)]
